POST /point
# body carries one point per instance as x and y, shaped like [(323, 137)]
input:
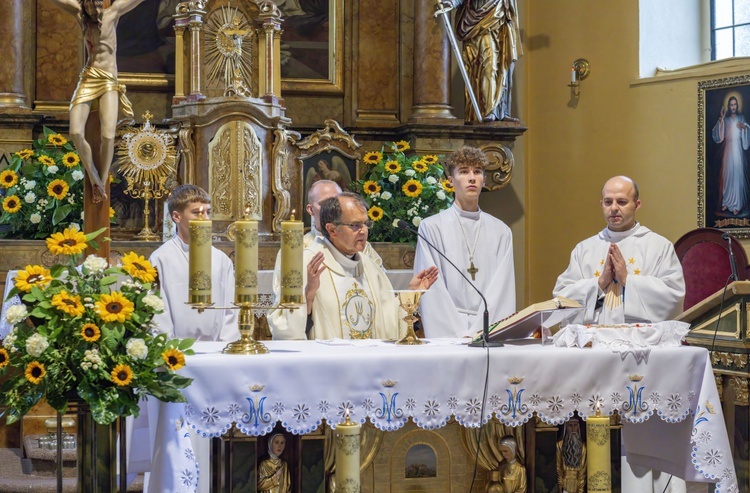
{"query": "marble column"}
[(17, 45), (432, 66)]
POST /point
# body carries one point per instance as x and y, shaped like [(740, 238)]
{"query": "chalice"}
[(409, 301)]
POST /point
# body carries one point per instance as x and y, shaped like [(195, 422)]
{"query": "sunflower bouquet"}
[(397, 186), (85, 332), (42, 189)]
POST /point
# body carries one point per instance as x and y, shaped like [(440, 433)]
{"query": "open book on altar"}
[(533, 320)]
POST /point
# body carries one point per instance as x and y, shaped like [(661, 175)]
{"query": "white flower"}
[(393, 178), (29, 184), (77, 175), (71, 199), (43, 202), (395, 223), (35, 218), (52, 169), (386, 195), (95, 264), (16, 313), (75, 226), (431, 180), (81, 215), (29, 198), (10, 340), (35, 345), (409, 172), (155, 302), (137, 348), (440, 195), (416, 220)]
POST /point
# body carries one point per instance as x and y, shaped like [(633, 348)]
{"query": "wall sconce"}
[(578, 72)]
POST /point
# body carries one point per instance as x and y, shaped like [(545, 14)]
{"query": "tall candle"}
[(200, 260), (599, 472), (246, 261), (292, 233), (347, 455), (573, 75)]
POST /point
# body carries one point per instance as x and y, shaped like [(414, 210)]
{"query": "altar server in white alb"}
[(626, 273), (479, 244), (171, 261), (348, 295)]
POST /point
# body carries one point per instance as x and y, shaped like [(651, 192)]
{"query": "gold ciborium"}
[(409, 301)]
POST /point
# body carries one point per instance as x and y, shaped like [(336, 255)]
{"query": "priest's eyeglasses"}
[(356, 227)]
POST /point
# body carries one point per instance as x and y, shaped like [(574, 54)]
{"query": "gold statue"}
[(512, 471), (491, 36), (273, 473), (571, 459)]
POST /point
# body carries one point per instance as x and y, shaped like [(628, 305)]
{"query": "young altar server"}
[(626, 274), (171, 261), (478, 243)]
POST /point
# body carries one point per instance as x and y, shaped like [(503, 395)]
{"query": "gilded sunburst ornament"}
[(228, 52)]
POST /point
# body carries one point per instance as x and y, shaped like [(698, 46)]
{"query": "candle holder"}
[(409, 301), (246, 344)]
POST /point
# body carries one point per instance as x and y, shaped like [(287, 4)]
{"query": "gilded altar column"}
[(269, 49), (432, 67), (17, 44)]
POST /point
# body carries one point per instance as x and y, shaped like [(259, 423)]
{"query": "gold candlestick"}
[(200, 261), (599, 469), (409, 301), (292, 233), (347, 455)]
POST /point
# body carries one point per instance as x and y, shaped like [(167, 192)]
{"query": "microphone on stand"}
[(732, 261), (486, 320)]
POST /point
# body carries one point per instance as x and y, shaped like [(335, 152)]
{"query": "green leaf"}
[(61, 213)]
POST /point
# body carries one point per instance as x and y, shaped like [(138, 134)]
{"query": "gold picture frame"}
[(312, 59), (723, 155)]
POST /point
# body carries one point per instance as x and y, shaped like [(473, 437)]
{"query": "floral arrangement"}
[(400, 187), (86, 332), (42, 189)]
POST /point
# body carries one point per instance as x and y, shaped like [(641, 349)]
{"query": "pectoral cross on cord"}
[(472, 270)]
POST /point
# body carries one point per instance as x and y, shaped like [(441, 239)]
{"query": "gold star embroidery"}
[(601, 262), (631, 260), (596, 274), (637, 271)]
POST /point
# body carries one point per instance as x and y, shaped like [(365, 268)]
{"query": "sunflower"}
[(122, 375), (138, 267), (372, 157), (8, 178), (429, 159), (4, 358), (33, 275), (114, 307), (35, 372), (25, 154), (46, 160), (375, 213), (392, 167), (401, 146), (69, 242), (412, 188), (446, 184), (71, 159), (174, 358), (57, 140), (371, 187), (58, 189), (68, 303), (90, 333), (11, 204), (419, 166), (111, 213)]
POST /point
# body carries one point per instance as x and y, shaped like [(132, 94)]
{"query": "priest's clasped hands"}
[(615, 268)]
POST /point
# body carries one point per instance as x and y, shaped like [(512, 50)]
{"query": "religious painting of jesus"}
[(724, 143)]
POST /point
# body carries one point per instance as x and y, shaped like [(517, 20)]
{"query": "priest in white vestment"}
[(348, 295), (171, 262), (479, 244), (626, 274)]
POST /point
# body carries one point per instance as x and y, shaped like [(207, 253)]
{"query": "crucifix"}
[(472, 270)]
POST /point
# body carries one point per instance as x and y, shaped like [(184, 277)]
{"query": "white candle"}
[(573, 75), (347, 455), (246, 261), (200, 260), (599, 469), (292, 233)]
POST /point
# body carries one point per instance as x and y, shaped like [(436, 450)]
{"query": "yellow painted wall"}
[(620, 125)]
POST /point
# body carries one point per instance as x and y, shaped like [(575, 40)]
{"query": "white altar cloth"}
[(667, 397)]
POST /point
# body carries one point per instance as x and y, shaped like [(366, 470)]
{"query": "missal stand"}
[(534, 323)]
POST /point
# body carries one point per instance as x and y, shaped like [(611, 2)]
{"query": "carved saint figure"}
[(97, 85), (571, 459), (491, 36), (273, 473), (512, 472)]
